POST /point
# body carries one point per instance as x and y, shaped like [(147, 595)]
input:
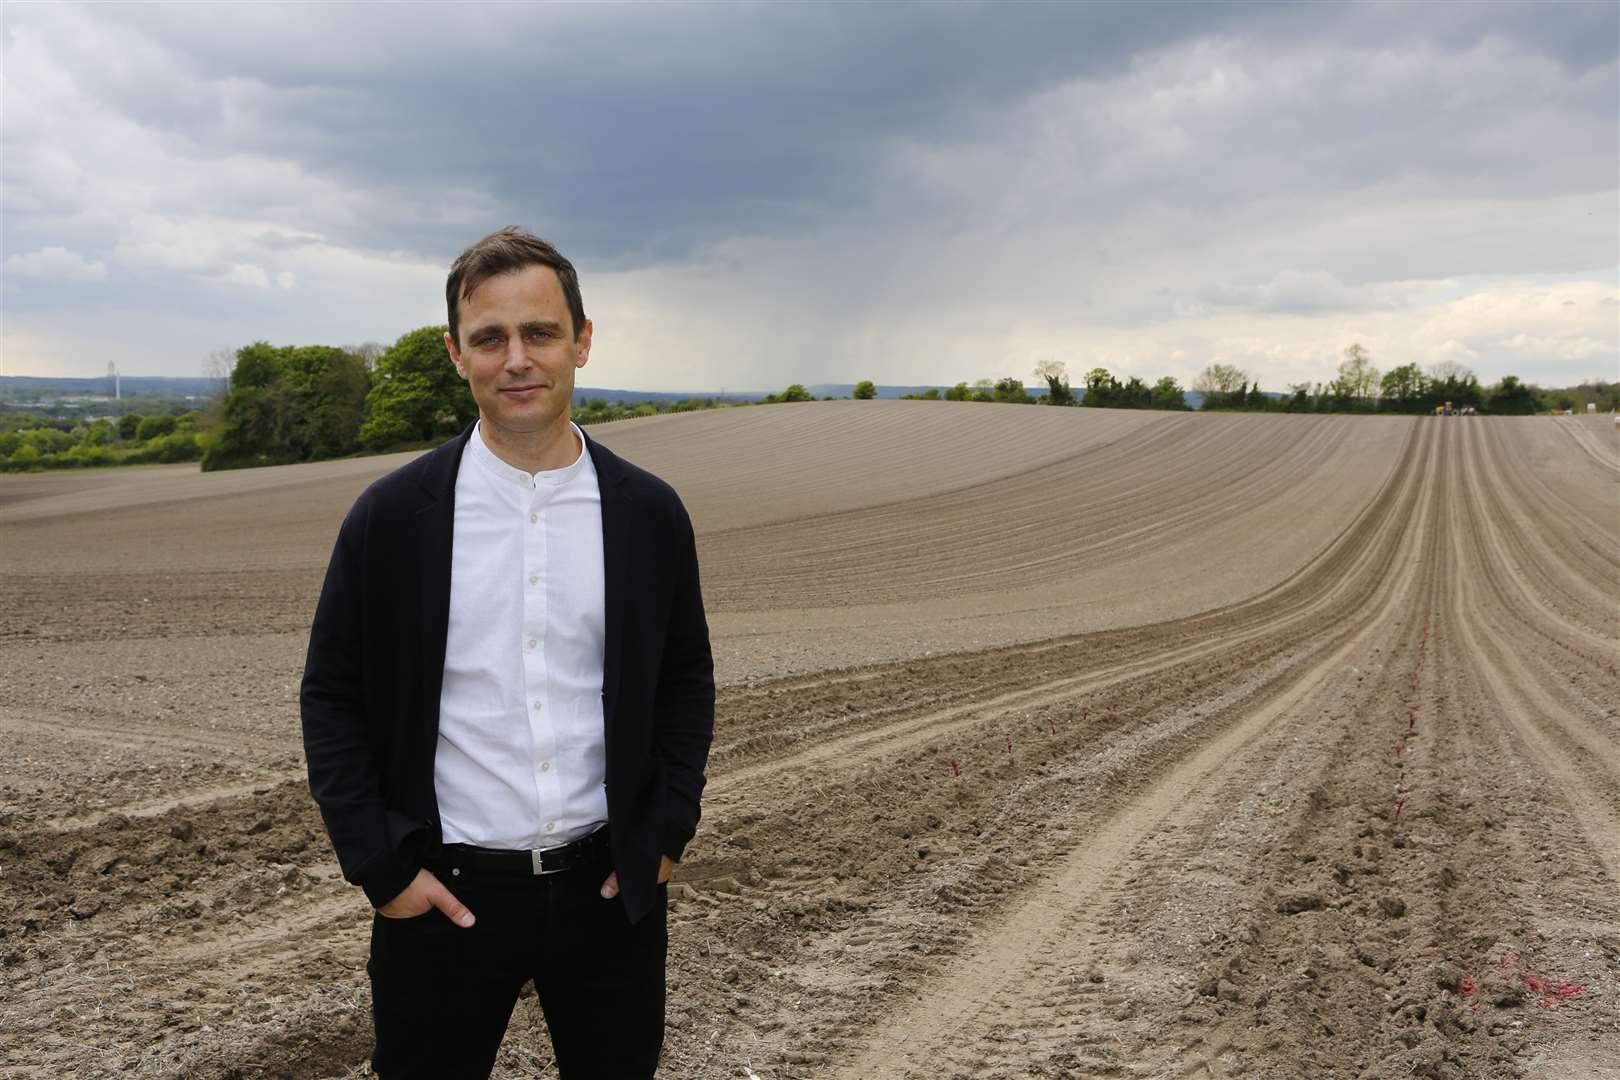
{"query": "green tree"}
[(1451, 381), (1056, 376), (797, 392), (930, 394), (1010, 391), (959, 392), (1135, 394), (1223, 386), (48, 441), (1605, 395), (984, 390), (1510, 397), (865, 390), (340, 396), (257, 429), (285, 404), (85, 456), (1403, 387), (1220, 379), (1358, 380), (416, 394), (151, 427), (1167, 394), (1101, 388), (257, 365), (127, 425)]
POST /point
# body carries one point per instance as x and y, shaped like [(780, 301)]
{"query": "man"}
[(508, 702)]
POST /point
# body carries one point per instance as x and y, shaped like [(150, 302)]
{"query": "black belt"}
[(466, 860)]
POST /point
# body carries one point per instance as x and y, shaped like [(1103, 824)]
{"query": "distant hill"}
[(631, 397), (33, 386), (820, 390)]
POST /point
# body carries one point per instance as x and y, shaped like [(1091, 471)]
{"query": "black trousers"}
[(442, 996)]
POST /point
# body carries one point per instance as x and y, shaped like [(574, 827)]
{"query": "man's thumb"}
[(454, 909)]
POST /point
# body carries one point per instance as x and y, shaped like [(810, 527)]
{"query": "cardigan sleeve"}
[(683, 709), (343, 771)]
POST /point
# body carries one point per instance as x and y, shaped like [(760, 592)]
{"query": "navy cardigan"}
[(370, 693)]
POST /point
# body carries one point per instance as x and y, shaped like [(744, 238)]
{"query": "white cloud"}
[(1454, 351), (56, 263), (245, 274)]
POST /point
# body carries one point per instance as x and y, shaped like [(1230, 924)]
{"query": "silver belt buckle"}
[(537, 860)]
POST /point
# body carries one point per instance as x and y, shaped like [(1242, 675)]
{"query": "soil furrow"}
[(995, 977), (1347, 812)]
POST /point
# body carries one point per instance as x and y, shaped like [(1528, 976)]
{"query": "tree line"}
[(30, 440), (1359, 387), (286, 404), (305, 403)]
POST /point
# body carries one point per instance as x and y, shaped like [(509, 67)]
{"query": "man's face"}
[(518, 351)]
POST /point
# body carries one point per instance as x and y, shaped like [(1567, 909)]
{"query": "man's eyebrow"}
[(531, 326)]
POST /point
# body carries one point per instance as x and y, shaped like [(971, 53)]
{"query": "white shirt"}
[(521, 759)]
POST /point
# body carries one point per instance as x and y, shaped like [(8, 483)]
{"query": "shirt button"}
[(545, 766), (551, 826), (534, 579), (533, 518), (537, 705), (533, 642)]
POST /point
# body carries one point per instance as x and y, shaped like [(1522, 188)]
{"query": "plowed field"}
[(1050, 743)]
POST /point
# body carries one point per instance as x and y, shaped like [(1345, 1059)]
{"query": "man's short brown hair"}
[(506, 251)]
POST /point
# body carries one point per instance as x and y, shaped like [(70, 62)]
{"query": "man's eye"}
[(539, 335)]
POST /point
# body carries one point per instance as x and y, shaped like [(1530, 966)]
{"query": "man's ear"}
[(455, 354), (582, 345)]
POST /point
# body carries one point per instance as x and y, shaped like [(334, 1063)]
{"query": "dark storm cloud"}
[(1131, 165), (635, 130)]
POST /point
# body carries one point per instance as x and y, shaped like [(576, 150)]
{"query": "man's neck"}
[(533, 451)]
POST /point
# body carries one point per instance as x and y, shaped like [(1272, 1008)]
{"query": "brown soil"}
[(1289, 747)]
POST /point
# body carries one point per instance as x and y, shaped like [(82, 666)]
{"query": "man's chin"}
[(524, 422)]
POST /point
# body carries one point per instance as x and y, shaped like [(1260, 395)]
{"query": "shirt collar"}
[(511, 474)]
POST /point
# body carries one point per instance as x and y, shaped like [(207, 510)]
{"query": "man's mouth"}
[(520, 391)]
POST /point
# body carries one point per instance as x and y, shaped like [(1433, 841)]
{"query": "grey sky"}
[(763, 194)]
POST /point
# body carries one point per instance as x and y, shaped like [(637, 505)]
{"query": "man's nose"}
[(517, 357)]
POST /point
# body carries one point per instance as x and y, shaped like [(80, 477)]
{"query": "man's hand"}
[(666, 867), (422, 895)]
